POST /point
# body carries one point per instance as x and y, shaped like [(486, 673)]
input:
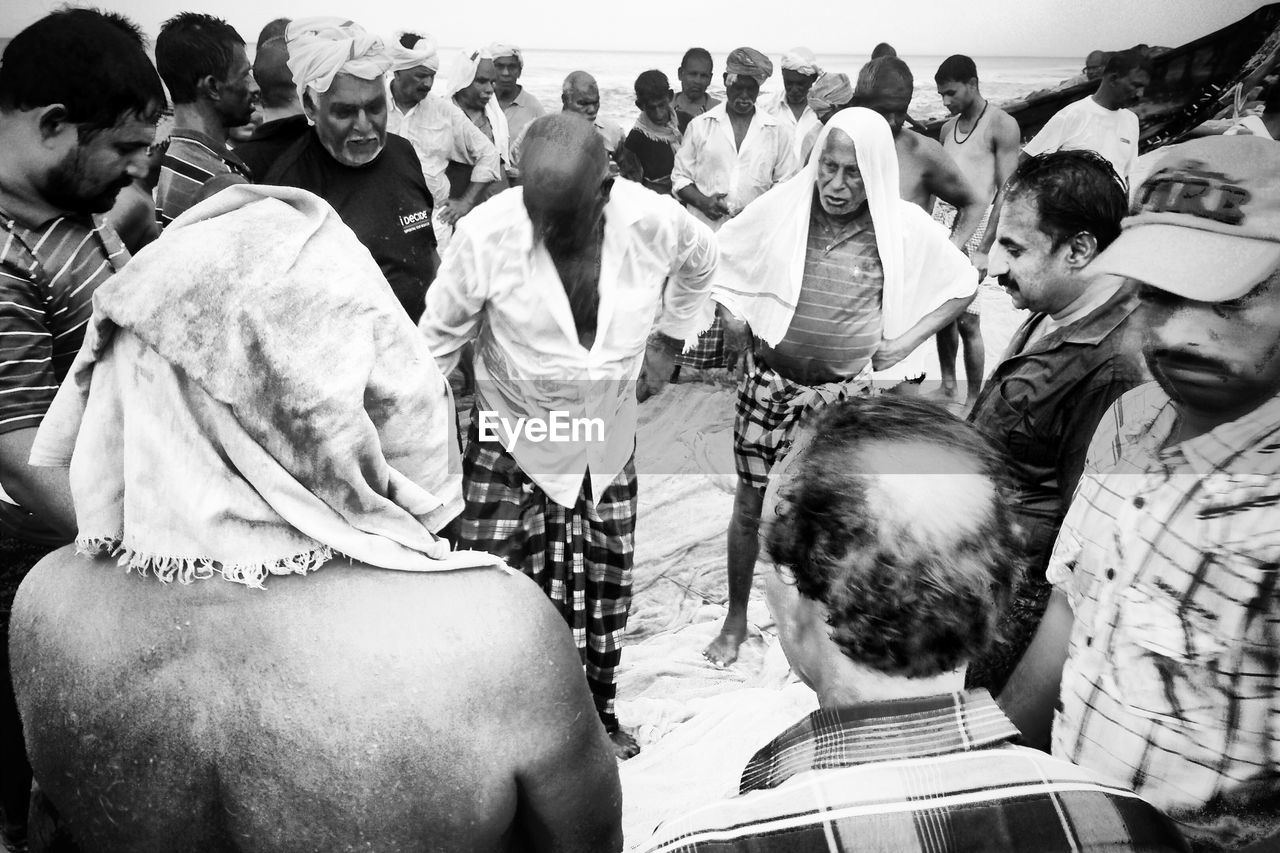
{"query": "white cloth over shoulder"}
[(252, 400), (762, 250), (321, 48)]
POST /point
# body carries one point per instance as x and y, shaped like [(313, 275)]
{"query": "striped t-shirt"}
[(837, 323), (48, 275), (190, 162)]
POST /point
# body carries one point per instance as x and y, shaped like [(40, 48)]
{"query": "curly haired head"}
[(894, 516)]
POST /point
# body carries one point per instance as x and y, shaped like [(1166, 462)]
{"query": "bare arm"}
[(1007, 142), (43, 492), (1032, 691), (993, 222), (570, 798), (893, 351), (944, 179)]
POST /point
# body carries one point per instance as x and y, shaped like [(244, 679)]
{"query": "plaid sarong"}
[(581, 557), (708, 352), (769, 413)]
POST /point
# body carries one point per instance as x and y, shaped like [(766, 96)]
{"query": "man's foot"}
[(724, 648), (624, 745), (946, 392)]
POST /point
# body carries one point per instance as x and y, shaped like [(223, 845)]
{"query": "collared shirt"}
[(191, 160), (1168, 556), (523, 109), (1043, 402), (48, 275), (440, 133), (1087, 125), (710, 159), (686, 111), (501, 288), (800, 127), (837, 325), (933, 774)]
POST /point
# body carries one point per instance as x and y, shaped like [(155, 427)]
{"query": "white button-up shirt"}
[(799, 127), (441, 132), (710, 160), (499, 286)]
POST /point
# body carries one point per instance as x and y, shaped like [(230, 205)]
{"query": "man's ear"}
[(1081, 249), (209, 86), (309, 106), (53, 122)]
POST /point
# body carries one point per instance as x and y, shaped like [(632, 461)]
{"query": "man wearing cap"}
[(440, 132), (518, 104), (791, 106), (373, 180), (1158, 647), (730, 156)]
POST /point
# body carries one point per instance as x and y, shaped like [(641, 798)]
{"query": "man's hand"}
[(454, 209), (737, 338), (659, 362), (716, 206), (892, 351)]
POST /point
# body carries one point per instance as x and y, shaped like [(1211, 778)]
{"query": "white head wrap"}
[(321, 48), (423, 53), (461, 73), (498, 50), (762, 249), (801, 60)]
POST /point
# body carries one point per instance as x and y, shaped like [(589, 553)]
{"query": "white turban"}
[(498, 50), (320, 48), (461, 73), (423, 53), (801, 60)]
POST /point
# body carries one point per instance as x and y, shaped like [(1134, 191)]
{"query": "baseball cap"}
[(1206, 224)]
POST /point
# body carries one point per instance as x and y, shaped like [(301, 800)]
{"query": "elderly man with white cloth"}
[(440, 132), (373, 180), (839, 281), (731, 155), (791, 106), (468, 81), (253, 417)]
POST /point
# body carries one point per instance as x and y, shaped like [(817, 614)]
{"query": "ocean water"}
[(1002, 77)]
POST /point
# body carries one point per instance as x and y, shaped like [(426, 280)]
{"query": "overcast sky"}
[(919, 27)]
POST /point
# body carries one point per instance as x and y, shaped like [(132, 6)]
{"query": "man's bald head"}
[(563, 165), (580, 94), (894, 516)]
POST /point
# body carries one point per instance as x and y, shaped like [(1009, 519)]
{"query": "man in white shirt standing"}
[(791, 106), (1100, 122), (731, 155), (555, 282)]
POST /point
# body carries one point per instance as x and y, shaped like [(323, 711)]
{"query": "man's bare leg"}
[(948, 340), (743, 547), (975, 353)]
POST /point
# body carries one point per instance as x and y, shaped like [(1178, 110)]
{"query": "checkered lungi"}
[(581, 557), (947, 214), (708, 352), (770, 411)]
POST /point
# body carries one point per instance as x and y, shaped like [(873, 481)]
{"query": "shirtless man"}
[(694, 75), (983, 140)]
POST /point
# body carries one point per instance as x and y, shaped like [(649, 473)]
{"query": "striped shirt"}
[(837, 324), (933, 774), (190, 162), (1169, 557), (47, 278)]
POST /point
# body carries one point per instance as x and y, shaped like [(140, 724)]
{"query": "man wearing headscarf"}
[(831, 92), (838, 282), (791, 106), (730, 156), (440, 132), (559, 282), (519, 105), (253, 416), (373, 180), (469, 79)]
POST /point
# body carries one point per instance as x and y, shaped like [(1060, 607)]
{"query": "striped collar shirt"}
[(191, 160), (931, 774), (1169, 557)]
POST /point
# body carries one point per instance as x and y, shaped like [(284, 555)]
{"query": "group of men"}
[(1143, 513)]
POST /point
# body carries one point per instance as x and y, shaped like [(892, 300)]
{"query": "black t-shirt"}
[(270, 140), (657, 159), (385, 203)]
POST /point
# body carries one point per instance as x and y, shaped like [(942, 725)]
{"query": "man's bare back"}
[(925, 172), (354, 709)]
